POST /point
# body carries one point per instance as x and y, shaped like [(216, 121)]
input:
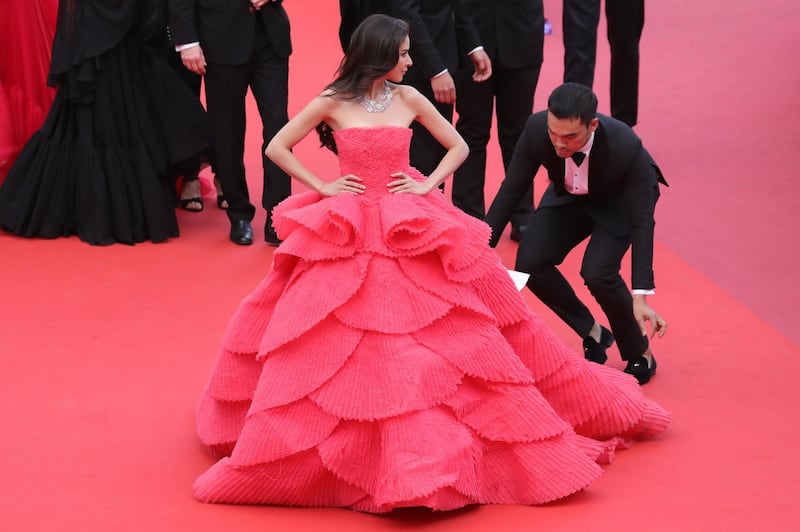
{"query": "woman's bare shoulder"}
[(405, 91)]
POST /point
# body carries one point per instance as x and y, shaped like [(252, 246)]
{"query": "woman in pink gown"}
[(387, 359), (26, 36)]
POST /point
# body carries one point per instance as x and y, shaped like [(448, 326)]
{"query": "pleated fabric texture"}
[(387, 361)]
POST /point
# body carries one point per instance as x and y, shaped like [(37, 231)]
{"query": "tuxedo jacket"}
[(623, 186), (225, 28), (511, 31), (442, 34), (353, 12)]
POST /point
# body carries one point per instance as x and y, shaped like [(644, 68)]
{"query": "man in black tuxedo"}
[(442, 37), (238, 44), (603, 185), (512, 33), (353, 12), (624, 24)]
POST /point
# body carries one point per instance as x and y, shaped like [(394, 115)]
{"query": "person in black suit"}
[(624, 21), (442, 36), (353, 12), (238, 44), (603, 185), (512, 32)]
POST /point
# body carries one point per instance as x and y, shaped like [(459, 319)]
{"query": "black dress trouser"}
[(267, 76), (624, 22)]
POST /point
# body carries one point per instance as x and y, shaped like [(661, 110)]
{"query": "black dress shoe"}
[(270, 236), (517, 232), (241, 232), (596, 351), (639, 368)]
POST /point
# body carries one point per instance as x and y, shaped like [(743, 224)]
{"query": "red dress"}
[(26, 36)]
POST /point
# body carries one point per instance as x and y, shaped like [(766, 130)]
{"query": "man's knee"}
[(600, 279), (532, 263)]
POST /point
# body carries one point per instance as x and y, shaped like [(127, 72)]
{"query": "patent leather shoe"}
[(641, 369), (596, 351), (241, 233)]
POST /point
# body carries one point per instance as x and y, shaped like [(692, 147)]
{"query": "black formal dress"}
[(120, 120), (244, 48), (617, 212), (512, 33), (624, 24)]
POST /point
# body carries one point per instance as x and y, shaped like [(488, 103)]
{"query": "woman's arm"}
[(444, 132), (279, 150)]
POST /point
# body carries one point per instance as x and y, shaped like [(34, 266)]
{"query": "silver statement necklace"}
[(379, 104)]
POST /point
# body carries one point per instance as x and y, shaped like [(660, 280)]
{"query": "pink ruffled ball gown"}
[(387, 361)]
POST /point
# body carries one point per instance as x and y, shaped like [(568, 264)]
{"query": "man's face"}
[(568, 135)]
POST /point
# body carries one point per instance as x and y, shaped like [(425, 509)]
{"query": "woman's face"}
[(404, 62)]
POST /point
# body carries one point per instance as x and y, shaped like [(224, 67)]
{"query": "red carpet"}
[(105, 350)]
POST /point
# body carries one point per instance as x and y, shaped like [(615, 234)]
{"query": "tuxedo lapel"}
[(598, 162)]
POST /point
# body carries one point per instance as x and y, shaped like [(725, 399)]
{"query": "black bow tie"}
[(578, 157)]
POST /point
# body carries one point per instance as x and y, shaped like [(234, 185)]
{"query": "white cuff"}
[(643, 292), (183, 47)]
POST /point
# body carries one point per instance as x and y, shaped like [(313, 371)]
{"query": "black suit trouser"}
[(267, 76), (511, 92), (624, 22), (552, 233)]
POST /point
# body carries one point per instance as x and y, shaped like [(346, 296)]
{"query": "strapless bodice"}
[(373, 153)]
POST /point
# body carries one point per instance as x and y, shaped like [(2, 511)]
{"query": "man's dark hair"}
[(573, 100)]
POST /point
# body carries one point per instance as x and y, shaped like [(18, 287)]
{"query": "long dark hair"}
[(372, 52)]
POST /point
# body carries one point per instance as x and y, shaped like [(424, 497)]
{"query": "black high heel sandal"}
[(220, 196), (184, 203)]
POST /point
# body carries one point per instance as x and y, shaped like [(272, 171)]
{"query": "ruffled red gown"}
[(26, 35), (387, 360)]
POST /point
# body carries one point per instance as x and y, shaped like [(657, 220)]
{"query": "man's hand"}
[(258, 3), (194, 59), (643, 313), (444, 88), (483, 65)]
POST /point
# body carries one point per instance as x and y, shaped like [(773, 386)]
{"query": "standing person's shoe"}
[(640, 368), (517, 232), (596, 351), (270, 236), (241, 232), (191, 198)]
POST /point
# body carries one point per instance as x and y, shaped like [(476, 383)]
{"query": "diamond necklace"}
[(379, 104)]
